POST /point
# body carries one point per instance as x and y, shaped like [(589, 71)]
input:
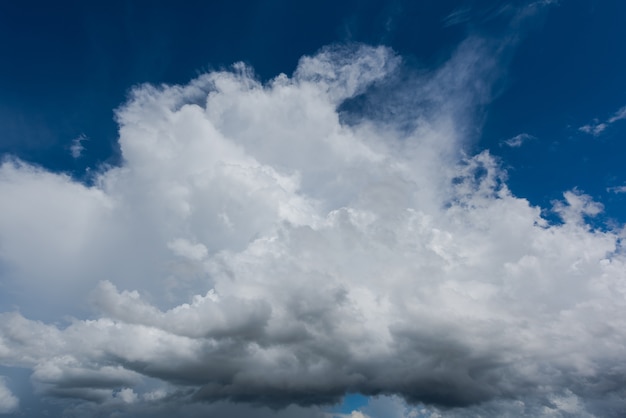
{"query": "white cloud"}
[(127, 395), (258, 248), (596, 127), (619, 115), (186, 249), (77, 147), (518, 140), (8, 401), (617, 189)]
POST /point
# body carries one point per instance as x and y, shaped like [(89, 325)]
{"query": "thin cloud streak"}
[(77, 147), (596, 127), (617, 189), (518, 140)]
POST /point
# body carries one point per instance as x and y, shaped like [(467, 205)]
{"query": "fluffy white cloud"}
[(8, 402), (270, 244)]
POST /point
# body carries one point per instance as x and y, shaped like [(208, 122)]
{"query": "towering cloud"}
[(282, 244)]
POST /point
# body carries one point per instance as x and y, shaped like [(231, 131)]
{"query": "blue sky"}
[(70, 65), (257, 207)]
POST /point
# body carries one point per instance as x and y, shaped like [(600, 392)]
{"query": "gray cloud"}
[(8, 401)]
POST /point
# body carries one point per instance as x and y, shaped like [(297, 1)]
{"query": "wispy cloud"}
[(517, 140), (458, 16), (484, 14), (77, 147), (617, 189), (597, 127), (619, 115)]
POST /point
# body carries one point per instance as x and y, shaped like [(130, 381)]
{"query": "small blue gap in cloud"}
[(352, 402)]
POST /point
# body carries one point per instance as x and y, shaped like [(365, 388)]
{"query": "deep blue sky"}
[(67, 65), (567, 72)]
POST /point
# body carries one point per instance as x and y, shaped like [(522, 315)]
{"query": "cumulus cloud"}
[(8, 402), (597, 127), (279, 245)]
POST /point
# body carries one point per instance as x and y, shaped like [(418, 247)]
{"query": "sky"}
[(346, 209)]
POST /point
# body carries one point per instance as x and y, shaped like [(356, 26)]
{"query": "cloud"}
[(518, 140), (465, 14), (395, 407), (619, 115), (8, 402), (596, 127), (556, 405), (617, 189), (77, 147), (511, 13), (277, 245)]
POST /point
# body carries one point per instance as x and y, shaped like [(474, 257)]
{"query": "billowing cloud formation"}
[(286, 243)]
